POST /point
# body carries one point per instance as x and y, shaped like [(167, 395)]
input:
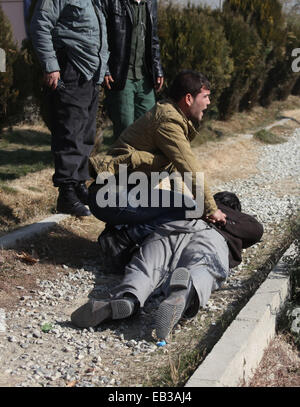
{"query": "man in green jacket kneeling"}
[(159, 141)]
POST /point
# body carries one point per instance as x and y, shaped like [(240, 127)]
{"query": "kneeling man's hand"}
[(217, 217)]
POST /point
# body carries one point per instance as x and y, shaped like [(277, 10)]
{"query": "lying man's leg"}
[(205, 259), (94, 312), (145, 272), (173, 307)]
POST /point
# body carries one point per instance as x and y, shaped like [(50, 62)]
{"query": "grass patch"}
[(7, 189), (34, 189), (26, 137), (23, 151), (210, 131), (268, 137), (104, 140)]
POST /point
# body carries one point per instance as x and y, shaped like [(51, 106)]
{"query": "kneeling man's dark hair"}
[(228, 199), (188, 81)]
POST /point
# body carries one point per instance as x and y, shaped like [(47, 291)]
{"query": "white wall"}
[(13, 9)]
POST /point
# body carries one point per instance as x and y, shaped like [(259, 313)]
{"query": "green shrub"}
[(266, 16), (296, 88), (248, 54), (269, 21), (192, 38), (281, 79), (20, 85), (8, 94)]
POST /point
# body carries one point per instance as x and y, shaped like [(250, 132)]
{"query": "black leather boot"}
[(68, 202), (82, 192)]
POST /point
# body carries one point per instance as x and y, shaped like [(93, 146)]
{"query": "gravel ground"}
[(33, 353)]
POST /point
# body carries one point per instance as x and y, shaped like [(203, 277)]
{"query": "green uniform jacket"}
[(158, 141)]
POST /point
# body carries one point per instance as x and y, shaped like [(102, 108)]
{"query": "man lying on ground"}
[(186, 259)]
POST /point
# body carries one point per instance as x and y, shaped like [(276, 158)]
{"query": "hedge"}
[(245, 50)]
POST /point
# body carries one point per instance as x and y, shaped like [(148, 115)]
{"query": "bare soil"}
[(74, 241), (280, 365)]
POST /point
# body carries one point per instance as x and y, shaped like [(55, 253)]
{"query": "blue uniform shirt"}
[(77, 25)]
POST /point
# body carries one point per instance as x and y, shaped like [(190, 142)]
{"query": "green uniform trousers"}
[(127, 105)]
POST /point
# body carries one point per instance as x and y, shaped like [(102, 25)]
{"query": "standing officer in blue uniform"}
[(70, 39)]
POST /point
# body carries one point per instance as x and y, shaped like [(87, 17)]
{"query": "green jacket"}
[(158, 141), (73, 25)]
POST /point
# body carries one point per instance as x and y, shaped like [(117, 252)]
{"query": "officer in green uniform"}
[(134, 67)]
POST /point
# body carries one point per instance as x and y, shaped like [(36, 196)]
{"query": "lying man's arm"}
[(243, 226)]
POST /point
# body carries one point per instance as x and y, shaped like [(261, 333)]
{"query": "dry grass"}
[(260, 116), (279, 367), (228, 159), (293, 113), (30, 198), (285, 130)]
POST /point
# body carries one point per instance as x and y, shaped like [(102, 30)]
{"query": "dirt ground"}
[(280, 365), (72, 242)]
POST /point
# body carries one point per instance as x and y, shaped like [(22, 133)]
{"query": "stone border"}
[(11, 240), (2, 321), (237, 354)]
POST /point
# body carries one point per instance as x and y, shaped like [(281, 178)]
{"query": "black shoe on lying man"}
[(172, 309), (95, 312)]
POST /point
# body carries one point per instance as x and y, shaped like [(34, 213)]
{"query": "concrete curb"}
[(239, 351), (11, 240), (2, 321)]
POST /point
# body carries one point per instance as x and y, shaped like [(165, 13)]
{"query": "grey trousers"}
[(204, 253)]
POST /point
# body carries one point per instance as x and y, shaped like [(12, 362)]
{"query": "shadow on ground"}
[(21, 161), (27, 137), (6, 213)]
